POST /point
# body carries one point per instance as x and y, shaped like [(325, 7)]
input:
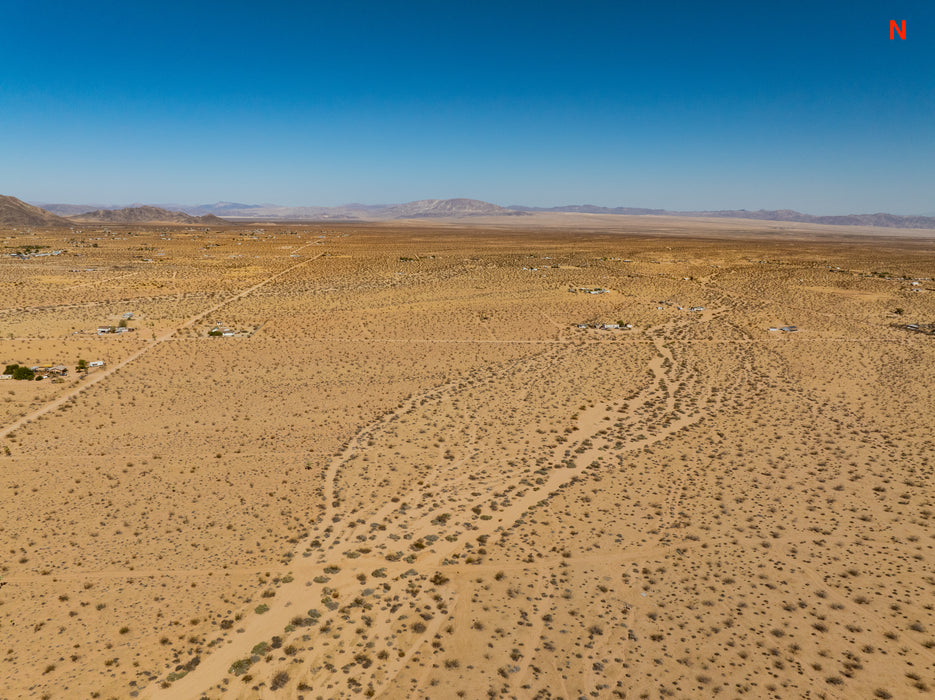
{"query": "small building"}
[(697, 308), (6, 376), (49, 370), (96, 363), (101, 330), (789, 329)]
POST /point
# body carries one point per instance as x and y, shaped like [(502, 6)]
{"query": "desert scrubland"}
[(408, 474)]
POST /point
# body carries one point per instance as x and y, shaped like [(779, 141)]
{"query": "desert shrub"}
[(279, 680), (239, 667)]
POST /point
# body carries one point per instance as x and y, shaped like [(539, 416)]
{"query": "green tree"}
[(23, 373), (82, 366)]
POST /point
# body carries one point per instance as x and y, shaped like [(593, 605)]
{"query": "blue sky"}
[(678, 105)]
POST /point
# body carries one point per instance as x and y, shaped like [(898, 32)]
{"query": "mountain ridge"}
[(16, 212), (879, 219), (419, 209), (144, 214)]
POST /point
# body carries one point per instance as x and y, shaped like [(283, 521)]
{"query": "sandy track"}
[(300, 594), (101, 376)]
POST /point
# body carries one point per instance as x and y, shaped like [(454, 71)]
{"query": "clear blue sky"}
[(679, 105)]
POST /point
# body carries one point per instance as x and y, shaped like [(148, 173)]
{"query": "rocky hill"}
[(145, 215), (15, 212)]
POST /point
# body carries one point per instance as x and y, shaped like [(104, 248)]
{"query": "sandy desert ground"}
[(408, 474)]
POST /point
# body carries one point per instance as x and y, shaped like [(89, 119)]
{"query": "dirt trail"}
[(91, 380), (102, 281), (344, 582)]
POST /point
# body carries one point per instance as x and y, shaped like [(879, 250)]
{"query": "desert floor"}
[(408, 474)]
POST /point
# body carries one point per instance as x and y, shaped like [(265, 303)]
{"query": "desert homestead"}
[(618, 326), (221, 330), (925, 328), (104, 330), (23, 372), (588, 290)]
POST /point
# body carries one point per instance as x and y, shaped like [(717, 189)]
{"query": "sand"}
[(410, 475)]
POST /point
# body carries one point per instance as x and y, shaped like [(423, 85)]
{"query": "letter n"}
[(895, 29)]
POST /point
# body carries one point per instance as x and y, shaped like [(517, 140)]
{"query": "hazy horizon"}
[(695, 108), (192, 205)]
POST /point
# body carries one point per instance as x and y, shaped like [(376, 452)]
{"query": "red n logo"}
[(895, 29)]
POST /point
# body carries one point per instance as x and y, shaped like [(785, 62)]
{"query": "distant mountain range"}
[(430, 208), (422, 209), (145, 215), (880, 219), (215, 214), (426, 208)]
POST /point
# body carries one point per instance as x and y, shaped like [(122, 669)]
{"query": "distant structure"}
[(588, 290)]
